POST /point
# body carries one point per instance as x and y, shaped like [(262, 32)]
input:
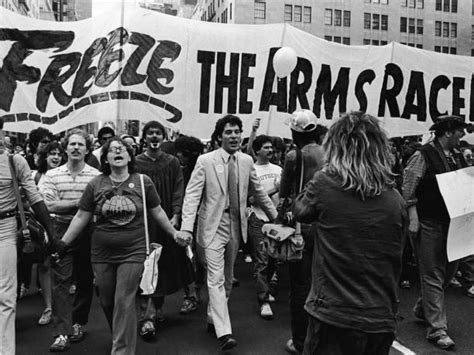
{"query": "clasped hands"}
[(183, 238)]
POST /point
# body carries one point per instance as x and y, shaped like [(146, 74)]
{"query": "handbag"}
[(32, 236), (282, 242), (149, 279)]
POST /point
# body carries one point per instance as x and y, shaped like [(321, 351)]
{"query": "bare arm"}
[(78, 223)]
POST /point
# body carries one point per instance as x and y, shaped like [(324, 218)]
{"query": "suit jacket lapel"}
[(242, 174), (220, 170)]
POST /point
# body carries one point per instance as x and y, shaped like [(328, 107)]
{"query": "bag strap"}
[(145, 216), (17, 193), (299, 157)]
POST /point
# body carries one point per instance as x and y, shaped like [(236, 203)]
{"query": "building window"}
[(328, 17), (411, 3), (375, 42), (288, 13), (472, 31), (375, 21), (338, 18), (472, 51), (366, 41), (337, 39), (297, 14), (445, 29), (445, 8), (366, 21), (419, 26), (328, 38), (420, 4), (376, 1), (403, 3), (452, 50), (259, 10), (367, 1), (384, 2), (411, 25), (384, 26), (346, 41), (438, 6), (437, 49), (383, 43), (307, 14), (403, 24), (420, 46), (454, 30), (230, 11), (454, 8), (347, 19), (438, 28)]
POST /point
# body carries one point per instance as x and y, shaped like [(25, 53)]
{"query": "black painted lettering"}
[(389, 96), (440, 82), (118, 36), (207, 59), (246, 83), (416, 88), (458, 102), (298, 90), (145, 43), (367, 76), (165, 49), (226, 81), (323, 89)]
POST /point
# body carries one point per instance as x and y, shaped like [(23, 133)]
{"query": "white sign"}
[(140, 64), (457, 189)]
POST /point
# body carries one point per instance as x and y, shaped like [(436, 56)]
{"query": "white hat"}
[(303, 121)]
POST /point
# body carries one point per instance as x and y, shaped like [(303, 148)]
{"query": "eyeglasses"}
[(117, 150)]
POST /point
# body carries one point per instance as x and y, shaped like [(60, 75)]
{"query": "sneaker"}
[(147, 330), (227, 342), (443, 342), (271, 299), (61, 343), (189, 305), (470, 291), (159, 316), (266, 311), (290, 347), (77, 333), (248, 259), (45, 317), (72, 289), (455, 283)]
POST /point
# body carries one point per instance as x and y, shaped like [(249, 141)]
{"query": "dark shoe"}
[(418, 313), (77, 333), (235, 282), (405, 284), (159, 316), (227, 342), (189, 305), (211, 329), (147, 330), (290, 347), (443, 342), (61, 343)]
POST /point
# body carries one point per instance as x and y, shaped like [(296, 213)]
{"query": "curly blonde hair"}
[(357, 152)]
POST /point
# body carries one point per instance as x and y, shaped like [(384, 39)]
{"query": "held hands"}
[(58, 249), (183, 238)]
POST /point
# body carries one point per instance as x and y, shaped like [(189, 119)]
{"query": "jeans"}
[(326, 339), (71, 309), (300, 284), (118, 285), (8, 285), (435, 274), (466, 266), (264, 267)]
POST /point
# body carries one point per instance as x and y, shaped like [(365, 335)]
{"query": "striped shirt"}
[(58, 185)]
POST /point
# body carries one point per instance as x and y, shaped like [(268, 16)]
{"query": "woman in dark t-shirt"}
[(118, 237)]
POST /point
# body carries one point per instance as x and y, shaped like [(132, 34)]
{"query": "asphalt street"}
[(187, 334)]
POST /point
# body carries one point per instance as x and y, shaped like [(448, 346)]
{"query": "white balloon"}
[(284, 61)]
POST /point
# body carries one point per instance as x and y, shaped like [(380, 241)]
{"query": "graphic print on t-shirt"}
[(119, 209)]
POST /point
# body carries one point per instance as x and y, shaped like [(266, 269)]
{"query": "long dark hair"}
[(43, 155), (104, 165)]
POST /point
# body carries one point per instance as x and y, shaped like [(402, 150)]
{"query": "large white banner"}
[(458, 194), (145, 65)]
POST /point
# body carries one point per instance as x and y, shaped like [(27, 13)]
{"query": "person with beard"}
[(62, 188), (176, 269), (429, 222), (216, 196)]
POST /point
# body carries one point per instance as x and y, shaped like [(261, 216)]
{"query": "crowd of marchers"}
[(369, 208)]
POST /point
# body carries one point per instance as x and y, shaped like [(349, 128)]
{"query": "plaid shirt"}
[(58, 185)]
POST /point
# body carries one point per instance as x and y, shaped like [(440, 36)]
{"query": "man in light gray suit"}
[(217, 193)]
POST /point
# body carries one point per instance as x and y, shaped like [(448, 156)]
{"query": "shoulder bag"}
[(149, 279)]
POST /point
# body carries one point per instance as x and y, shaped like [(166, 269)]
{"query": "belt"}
[(7, 214)]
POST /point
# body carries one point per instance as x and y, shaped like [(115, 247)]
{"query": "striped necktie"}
[(233, 187)]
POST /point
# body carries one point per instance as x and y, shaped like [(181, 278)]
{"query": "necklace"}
[(115, 187)]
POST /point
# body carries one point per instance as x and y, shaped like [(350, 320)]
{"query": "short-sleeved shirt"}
[(267, 175), (58, 185), (118, 235)]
